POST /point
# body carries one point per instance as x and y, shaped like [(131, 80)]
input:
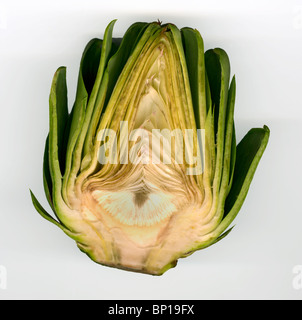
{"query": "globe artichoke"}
[(145, 168)]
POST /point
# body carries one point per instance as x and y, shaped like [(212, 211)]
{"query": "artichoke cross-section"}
[(144, 168)]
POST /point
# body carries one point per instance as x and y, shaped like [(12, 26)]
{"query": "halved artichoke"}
[(145, 168)]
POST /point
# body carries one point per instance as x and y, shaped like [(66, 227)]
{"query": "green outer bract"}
[(70, 156)]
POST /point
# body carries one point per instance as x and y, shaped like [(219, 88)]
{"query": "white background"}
[(256, 261)]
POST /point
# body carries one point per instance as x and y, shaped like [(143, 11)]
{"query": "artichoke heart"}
[(144, 169)]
